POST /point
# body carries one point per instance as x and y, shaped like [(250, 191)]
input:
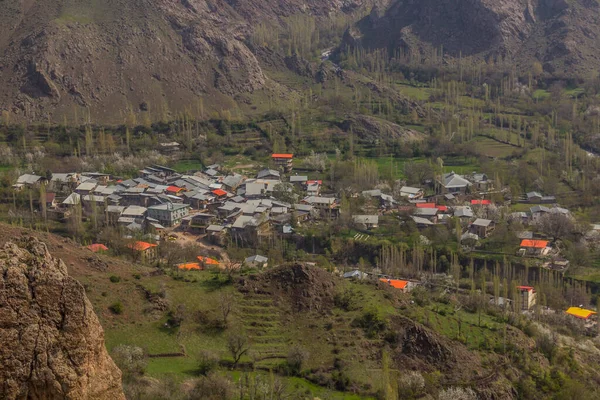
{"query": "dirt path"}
[(183, 238)]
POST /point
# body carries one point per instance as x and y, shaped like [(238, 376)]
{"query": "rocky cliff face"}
[(561, 35), (110, 57), (51, 343)]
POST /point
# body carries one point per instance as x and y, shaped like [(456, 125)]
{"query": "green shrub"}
[(115, 278), (116, 308), (207, 362), (371, 322)]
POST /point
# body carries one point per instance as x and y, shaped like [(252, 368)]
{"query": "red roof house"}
[(284, 156), (96, 247), (219, 192), (536, 244), (174, 189), (402, 285), (481, 202)]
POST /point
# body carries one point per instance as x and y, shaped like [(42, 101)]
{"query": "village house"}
[(412, 193), (327, 206), (402, 285), (135, 213), (482, 227), (537, 212), (198, 223), (313, 187), (72, 200), (86, 187), (527, 297), (422, 222), (532, 247), (538, 198), (93, 204), (248, 230), (256, 261), (29, 180), (232, 182), (216, 234), (63, 182), (298, 179), (581, 313), (113, 213), (481, 182), (283, 161), (430, 214), (270, 174), (146, 252), (366, 221), (454, 183), (355, 274), (51, 200), (169, 214)]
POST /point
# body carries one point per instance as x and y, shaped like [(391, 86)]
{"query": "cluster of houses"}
[(246, 209), (211, 202)]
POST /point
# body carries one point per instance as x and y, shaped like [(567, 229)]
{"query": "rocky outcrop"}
[(298, 286), (371, 129), (51, 343), (561, 35)]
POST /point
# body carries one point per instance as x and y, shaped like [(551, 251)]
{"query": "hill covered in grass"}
[(312, 334)]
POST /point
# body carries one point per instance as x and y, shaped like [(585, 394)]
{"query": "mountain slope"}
[(118, 56), (560, 34)]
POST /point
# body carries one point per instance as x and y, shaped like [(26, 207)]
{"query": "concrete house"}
[(29, 180), (412, 193), (283, 161), (527, 297), (482, 227), (198, 223), (532, 247), (366, 221), (481, 182), (169, 214), (257, 261), (147, 252), (454, 183), (250, 230), (86, 187), (269, 174)]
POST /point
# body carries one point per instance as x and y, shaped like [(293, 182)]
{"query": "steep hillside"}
[(562, 35), (51, 343), (114, 58)]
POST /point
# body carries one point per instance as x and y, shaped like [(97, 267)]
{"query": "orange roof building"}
[(219, 192), (284, 161), (426, 205), (481, 202), (190, 266), (141, 246), (96, 247), (395, 283), (580, 313), (174, 189), (535, 244), (207, 261)]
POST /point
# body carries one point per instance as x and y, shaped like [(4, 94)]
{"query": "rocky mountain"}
[(51, 343), (562, 35), (115, 57)]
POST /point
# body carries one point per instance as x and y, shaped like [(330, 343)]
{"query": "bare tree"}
[(238, 345), (556, 225), (226, 301)]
